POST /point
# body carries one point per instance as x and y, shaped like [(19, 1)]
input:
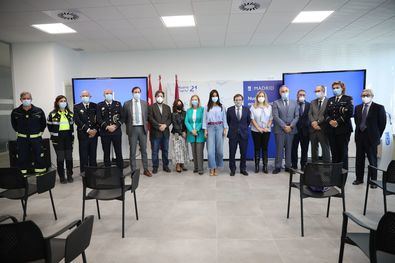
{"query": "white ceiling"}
[(117, 25)]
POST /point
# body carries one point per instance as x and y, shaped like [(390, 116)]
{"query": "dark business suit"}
[(159, 139), (302, 136), (238, 135), (85, 119), (367, 136)]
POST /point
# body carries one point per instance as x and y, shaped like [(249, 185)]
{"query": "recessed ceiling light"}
[(178, 21), (56, 28), (311, 16)]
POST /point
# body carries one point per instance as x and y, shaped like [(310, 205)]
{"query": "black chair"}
[(24, 242), (6, 217), (108, 183), (387, 184), (378, 244), (319, 176), (18, 187)]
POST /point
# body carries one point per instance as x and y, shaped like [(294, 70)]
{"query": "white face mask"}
[(159, 100), (366, 100), (261, 99), (301, 99)]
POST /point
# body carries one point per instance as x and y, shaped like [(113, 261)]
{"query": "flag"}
[(160, 83), (150, 98), (176, 93)]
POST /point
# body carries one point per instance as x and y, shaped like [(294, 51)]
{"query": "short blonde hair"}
[(24, 93), (194, 96), (265, 103), (369, 91)]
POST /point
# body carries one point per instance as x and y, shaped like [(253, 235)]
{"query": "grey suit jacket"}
[(128, 115), (282, 116), (318, 115)]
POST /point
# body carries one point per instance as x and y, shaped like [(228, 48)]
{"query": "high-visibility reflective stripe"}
[(53, 122), (23, 171), (40, 170), (54, 133), (37, 135)]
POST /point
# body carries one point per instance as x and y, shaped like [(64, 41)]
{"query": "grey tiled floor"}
[(191, 218)]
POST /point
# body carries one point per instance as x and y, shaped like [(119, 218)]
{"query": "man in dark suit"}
[(159, 116), (238, 118), (370, 120), (303, 126), (109, 116), (87, 127)]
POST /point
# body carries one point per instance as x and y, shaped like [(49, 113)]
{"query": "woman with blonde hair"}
[(261, 120)]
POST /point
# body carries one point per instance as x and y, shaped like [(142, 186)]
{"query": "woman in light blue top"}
[(215, 126)]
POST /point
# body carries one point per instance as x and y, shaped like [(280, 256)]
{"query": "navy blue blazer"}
[(303, 124), (238, 127)]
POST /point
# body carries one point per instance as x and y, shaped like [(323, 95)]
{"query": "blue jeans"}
[(163, 144), (215, 146)]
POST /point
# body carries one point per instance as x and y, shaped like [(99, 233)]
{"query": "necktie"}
[(301, 109), (136, 110), (337, 99), (238, 113), (319, 104), (86, 106), (286, 103), (362, 126)]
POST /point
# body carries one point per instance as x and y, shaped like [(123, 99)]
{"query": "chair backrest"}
[(11, 178), (135, 179), (103, 177), (46, 181), (391, 172), (385, 235), (21, 242), (79, 240), (323, 175)]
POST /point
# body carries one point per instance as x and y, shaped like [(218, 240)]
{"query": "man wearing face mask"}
[(238, 118), (338, 113), (318, 126), (159, 116), (29, 123), (87, 130), (302, 136), (135, 117), (109, 118), (370, 120), (285, 116)]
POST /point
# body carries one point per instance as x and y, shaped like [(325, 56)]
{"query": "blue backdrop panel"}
[(122, 88), (353, 79), (250, 88)]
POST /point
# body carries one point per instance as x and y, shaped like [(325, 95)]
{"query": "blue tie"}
[(362, 126)]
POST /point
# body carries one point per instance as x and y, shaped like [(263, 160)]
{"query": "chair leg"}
[(385, 201), (53, 205), (366, 197), (135, 205), (289, 200), (342, 239), (329, 205), (23, 209), (83, 257), (24, 204), (83, 208), (301, 216), (98, 209), (123, 218)]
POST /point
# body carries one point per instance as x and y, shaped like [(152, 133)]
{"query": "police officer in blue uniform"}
[(109, 115), (29, 123), (338, 113), (87, 129)]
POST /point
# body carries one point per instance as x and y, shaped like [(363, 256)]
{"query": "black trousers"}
[(261, 141), (339, 148), (64, 152), (88, 152), (26, 147), (304, 145), (116, 141), (242, 143), (365, 149)]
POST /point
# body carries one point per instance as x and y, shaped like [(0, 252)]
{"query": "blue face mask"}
[(214, 99), (285, 95), (319, 95), (195, 103), (62, 105), (26, 103), (136, 96), (108, 97), (337, 91), (85, 99)]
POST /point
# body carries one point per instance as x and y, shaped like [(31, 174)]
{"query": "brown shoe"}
[(178, 168), (215, 172), (147, 173), (212, 172)]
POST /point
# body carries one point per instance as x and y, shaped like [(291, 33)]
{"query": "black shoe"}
[(256, 168), (286, 169), (276, 171), (244, 173), (195, 171), (166, 169), (373, 186), (155, 170), (357, 182), (265, 169), (70, 179), (63, 180), (201, 172), (183, 168), (232, 173)]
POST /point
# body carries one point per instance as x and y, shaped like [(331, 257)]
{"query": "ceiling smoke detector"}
[(68, 15), (249, 6)]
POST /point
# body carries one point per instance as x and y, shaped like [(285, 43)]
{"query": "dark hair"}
[(56, 105), (135, 89), (159, 92), (341, 84), (238, 95), (210, 103), (175, 103), (297, 93)]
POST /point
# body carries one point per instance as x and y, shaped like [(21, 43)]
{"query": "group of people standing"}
[(324, 122)]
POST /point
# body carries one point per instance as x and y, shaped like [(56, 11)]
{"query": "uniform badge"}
[(102, 108), (82, 111)]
